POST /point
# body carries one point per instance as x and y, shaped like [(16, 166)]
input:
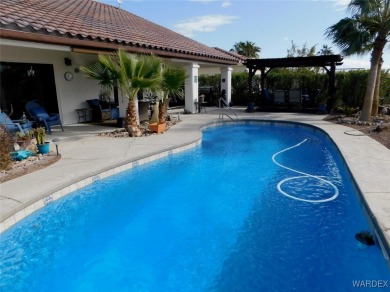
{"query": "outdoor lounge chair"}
[(294, 96), (41, 117), (279, 97), (102, 110), (15, 126)]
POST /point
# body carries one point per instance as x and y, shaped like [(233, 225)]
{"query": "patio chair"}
[(41, 117), (279, 97), (103, 110), (16, 125), (294, 96)]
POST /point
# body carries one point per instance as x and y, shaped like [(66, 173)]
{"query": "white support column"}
[(191, 88), (226, 82)]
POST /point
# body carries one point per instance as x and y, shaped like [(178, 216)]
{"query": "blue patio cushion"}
[(20, 155), (26, 125), (4, 119), (114, 113), (53, 118), (40, 113)]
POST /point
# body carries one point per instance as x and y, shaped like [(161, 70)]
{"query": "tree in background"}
[(326, 50), (367, 30), (305, 51), (295, 51), (247, 49)]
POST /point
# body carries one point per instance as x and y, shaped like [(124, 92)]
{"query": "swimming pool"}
[(229, 215)]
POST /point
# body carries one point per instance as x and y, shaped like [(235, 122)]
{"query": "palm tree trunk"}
[(131, 124), (162, 111), (375, 102), (369, 96)]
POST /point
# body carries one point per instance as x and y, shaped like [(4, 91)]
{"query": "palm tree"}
[(367, 30), (247, 49), (173, 78), (326, 50), (108, 79), (131, 75)]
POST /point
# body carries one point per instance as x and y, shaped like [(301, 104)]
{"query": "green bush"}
[(210, 80), (350, 85), (384, 89), (300, 78), (240, 90), (6, 143)]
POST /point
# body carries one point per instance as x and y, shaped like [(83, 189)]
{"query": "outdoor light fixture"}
[(56, 141), (31, 72), (68, 62)]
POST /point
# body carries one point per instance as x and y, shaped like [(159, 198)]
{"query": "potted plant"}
[(43, 146), (154, 124), (172, 84), (322, 100)]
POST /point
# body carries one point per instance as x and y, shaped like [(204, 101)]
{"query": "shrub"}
[(6, 143), (350, 85)]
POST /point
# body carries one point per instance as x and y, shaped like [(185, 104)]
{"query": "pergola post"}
[(262, 80), (251, 73), (331, 86)]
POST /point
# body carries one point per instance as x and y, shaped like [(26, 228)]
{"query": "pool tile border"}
[(58, 194)]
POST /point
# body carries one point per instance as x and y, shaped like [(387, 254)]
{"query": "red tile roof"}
[(90, 24), (231, 53)]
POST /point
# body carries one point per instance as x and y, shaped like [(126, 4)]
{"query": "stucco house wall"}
[(70, 94)]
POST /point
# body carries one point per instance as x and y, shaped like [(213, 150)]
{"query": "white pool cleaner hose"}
[(303, 175)]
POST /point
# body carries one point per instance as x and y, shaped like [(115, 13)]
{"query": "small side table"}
[(83, 114)]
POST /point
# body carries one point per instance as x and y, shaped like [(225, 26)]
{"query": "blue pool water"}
[(210, 219)]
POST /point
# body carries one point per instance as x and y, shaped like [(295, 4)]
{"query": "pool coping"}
[(50, 195)]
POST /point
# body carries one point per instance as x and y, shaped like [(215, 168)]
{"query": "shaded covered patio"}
[(327, 62)]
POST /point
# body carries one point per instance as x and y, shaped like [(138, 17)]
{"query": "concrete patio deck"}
[(85, 155)]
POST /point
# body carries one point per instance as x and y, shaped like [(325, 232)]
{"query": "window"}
[(23, 82)]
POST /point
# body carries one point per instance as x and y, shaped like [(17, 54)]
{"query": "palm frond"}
[(97, 71), (173, 80), (349, 35)]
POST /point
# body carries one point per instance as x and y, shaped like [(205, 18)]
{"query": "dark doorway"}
[(23, 82)]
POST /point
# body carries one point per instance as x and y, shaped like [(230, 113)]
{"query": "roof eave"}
[(105, 45)]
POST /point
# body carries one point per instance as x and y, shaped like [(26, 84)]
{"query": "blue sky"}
[(272, 25)]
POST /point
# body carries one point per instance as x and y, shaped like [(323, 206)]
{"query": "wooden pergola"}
[(328, 62)]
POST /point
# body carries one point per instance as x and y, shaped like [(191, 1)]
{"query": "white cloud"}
[(341, 4), (206, 23), (226, 3)]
